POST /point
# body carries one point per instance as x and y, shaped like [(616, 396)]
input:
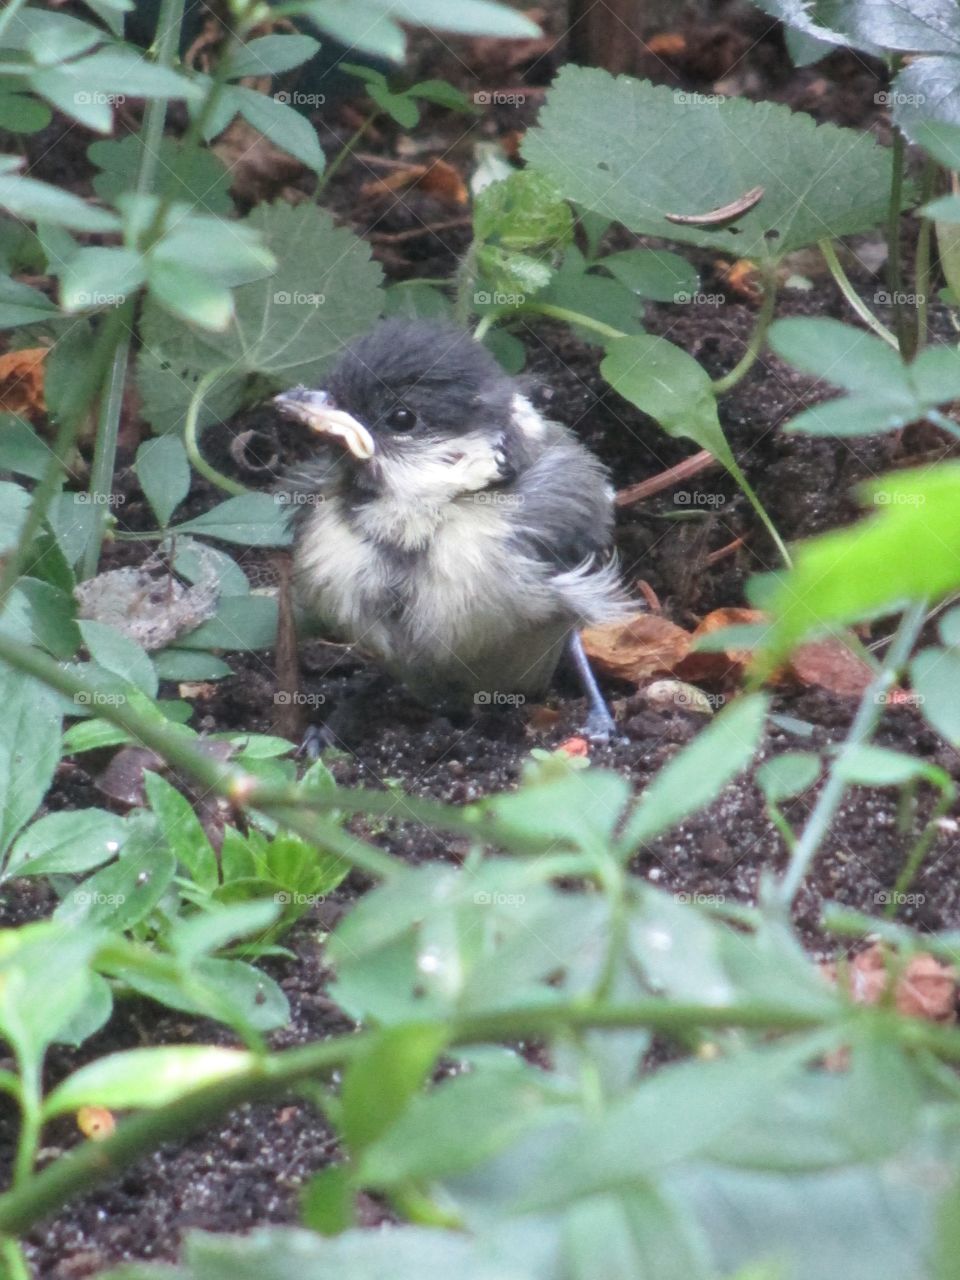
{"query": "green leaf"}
[(327, 1202), (378, 1085), (22, 113), (14, 505), (39, 202), (361, 25), (466, 17), (229, 990), (195, 178), (285, 127), (577, 287), (253, 520), (935, 677), (147, 1078), (671, 386), (182, 830), (118, 654), (908, 550), (100, 278), (653, 273), (787, 775), (123, 893), (22, 305), (189, 664), (29, 749), (45, 978), (578, 808), (181, 291), (836, 183), (212, 929), (164, 474), (50, 36), (699, 773), (271, 55), (522, 213), (287, 329), (442, 93), (70, 842)]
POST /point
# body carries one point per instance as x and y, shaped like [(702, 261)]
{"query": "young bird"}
[(444, 526)]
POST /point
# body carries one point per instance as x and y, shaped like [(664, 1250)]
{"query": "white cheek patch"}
[(526, 419)]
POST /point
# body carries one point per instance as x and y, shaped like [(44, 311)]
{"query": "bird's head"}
[(419, 411)]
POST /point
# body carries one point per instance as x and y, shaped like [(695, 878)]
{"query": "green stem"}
[(105, 448), (14, 1263), (917, 854), (81, 392), (31, 1111), (574, 317), (166, 47), (346, 150), (856, 302), (924, 236), (465, 279), (484, 327), (757, 338), (192, 442), (267, 1078), (894, 262), (864, 724), (233, 784)]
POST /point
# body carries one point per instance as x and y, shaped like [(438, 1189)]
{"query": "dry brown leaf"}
[(830, 665), (21, 382), (927, 988), (438, 179), (718, 666), (667, 44), (743, 278), (541, 719), (644, 645)]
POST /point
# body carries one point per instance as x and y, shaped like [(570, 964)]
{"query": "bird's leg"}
[(600, 725)]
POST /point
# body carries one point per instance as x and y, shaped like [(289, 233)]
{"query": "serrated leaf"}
[(204, 181), (251, 519), (286, 329), (837, 181)]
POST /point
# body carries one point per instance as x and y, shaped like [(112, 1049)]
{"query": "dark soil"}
[(250, 1168)]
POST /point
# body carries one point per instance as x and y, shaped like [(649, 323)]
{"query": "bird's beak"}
[(316, 411)]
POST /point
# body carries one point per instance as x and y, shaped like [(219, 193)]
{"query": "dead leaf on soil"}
[(438, 179), (644, 645), (730, 664), (830, 665), (21, 382), (926, 988)]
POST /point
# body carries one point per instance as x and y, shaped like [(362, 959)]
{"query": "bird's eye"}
[(401, 419)]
